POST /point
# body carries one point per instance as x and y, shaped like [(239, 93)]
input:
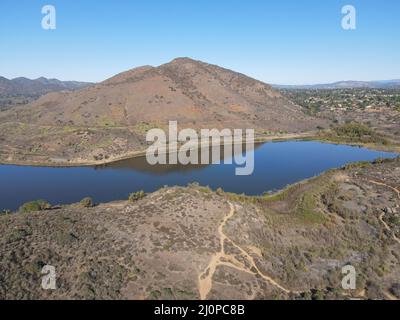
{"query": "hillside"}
[(193, 92), (190, 243), (112, 117)]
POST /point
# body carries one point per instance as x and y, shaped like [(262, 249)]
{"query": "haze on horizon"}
[(279, 42)]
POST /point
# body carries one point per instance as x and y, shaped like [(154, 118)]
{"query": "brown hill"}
[(194, 93), (185, 90)]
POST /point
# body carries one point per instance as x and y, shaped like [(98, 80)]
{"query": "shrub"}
[(361, 164), (38, 205), (317, 294), (87, 202), (353, 129), (4, 212), (193, 184), (394, 220), (135, 196), (358, 132)]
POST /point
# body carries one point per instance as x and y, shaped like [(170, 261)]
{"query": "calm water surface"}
[(276, 165)]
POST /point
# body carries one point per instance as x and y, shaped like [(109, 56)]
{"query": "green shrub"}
[(193, 184), (394, 220), (353, 129), (358, 132), (87, 202), (318, 295), (135, 196), (38, 205), (4, 212), (361, 164)]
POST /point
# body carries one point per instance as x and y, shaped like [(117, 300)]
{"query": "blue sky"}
[(285, 41)]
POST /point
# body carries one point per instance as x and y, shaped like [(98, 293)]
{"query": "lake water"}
[(276, 165)]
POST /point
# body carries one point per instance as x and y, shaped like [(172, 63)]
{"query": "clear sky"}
[(285, 41)]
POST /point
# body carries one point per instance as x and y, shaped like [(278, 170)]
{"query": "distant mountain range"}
[(37, 87), (383, 84)]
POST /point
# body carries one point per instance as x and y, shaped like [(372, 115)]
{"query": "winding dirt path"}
[(387, 227), (222, 258)]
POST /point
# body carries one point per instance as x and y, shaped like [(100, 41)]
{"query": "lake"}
[(276, 165)]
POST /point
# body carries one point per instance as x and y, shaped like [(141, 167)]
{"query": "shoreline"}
[(305, 136), (142, 153), (233, 195)]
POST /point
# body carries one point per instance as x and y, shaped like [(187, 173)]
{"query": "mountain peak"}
[(183, 60)]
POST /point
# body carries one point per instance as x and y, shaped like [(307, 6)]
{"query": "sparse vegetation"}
[(135, 196), (361, 164), (307, 207), (87, 202), (353, 132), (38, 205)]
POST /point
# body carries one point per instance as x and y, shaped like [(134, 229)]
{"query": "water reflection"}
[(141, 164)]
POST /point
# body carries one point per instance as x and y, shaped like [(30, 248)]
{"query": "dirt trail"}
[(387, 227), (221, 258)]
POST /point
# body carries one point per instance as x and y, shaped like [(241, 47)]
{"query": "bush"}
[(317, 294), (358, 132), (394, 220), (135, 196), (87, 202), (354, 129), (361, 164), (38, 205), (4, 212)]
